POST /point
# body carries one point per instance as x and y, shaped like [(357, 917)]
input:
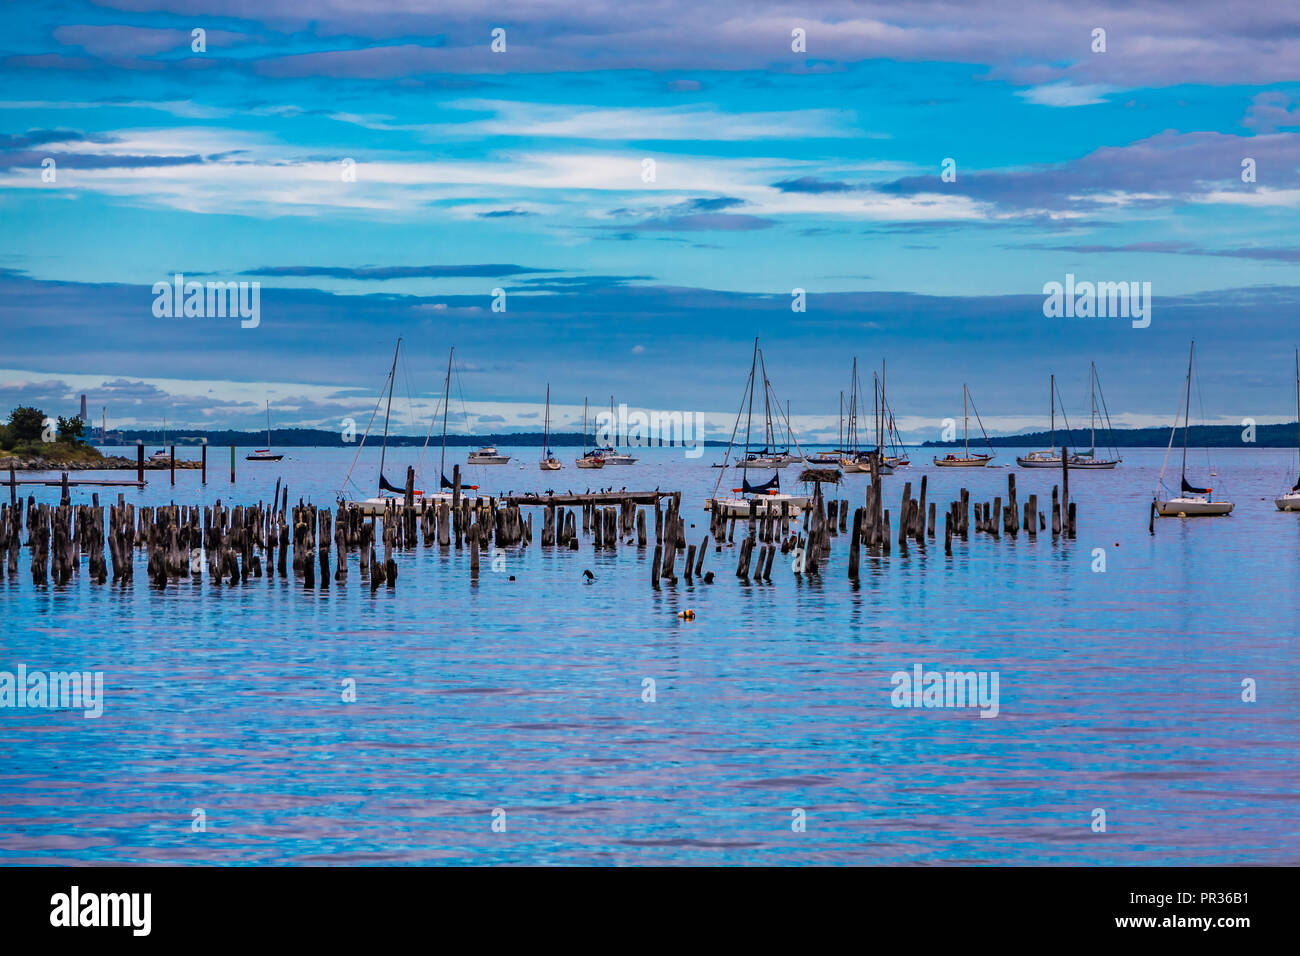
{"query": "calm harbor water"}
[(1118, 690)]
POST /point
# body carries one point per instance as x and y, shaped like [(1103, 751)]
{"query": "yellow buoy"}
[(687, 615)]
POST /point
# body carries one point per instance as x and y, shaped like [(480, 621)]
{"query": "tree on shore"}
[(25, 425)]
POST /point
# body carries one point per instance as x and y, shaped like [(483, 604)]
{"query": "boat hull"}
[(1193, 508), (590, 463), (1038, 462), (550, 465), (263, 457), (489, 459), (1092, 464), (1288, 502), (962, 462), (764, 505)]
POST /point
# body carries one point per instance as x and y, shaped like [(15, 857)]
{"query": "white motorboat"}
[(488, 455), (1191, 502), (609, 454)]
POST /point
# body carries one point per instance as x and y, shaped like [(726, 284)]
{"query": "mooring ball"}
[(687, 615)]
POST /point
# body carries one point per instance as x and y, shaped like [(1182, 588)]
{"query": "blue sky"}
[(524, 170)]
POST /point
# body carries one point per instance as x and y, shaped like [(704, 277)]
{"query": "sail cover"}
[(384, 485), (1193, 490), (765, 487)]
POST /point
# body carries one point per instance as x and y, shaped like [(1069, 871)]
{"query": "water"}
[(1118, 690)]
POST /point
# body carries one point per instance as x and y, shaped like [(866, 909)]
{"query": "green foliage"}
[(26, 424), (71, 430)]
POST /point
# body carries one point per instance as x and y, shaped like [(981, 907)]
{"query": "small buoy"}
[(687, 615), (512, 577)]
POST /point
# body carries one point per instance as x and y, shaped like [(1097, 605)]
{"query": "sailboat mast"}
[(268, 424), (1053, 398), (446, 391), (1187, 406), (546, 422), (584, 426), (392, 375), (749, 416), (1092, 382), (841, 446), (965, 421)]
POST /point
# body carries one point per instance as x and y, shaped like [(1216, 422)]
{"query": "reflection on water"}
[(1119, 690)]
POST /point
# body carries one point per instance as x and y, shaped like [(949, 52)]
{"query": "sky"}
[(648, 185)]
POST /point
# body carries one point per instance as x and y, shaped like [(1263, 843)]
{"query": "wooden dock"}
[(594, 498)]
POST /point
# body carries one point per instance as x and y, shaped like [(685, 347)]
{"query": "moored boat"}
[(966, 459), (1191, 502), (488, 455)]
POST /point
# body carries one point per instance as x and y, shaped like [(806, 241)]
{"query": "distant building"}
[(83, 408)]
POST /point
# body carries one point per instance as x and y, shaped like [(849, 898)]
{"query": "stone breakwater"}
[(107, 463)]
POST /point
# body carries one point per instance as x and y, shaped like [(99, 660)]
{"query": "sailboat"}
[(1191, 502), (767, 456), (1291, 500), (1049, 458), (967, 460), (1088, 460), (377, 504), (589, 459), (264, 454), (161, 456), (549, 462), (610, 454), (768, 494), (853, 461)]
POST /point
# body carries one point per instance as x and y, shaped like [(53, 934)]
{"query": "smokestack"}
[(83, 408)]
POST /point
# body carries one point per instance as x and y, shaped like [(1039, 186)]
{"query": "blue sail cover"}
[(384, 485), (765, 487), (1192, 490), (447, 484)]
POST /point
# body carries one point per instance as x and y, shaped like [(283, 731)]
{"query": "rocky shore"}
[(105, 463)]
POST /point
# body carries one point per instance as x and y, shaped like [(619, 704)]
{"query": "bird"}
[(589, 576), (708, 577)]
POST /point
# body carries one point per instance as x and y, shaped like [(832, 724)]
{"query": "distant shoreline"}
[(1200, 436)]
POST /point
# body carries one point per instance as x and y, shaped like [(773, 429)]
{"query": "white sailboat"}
[(589, 459), (967, 460), (380, 502), (1290, 501), (609, 453), (1190, 502), (1088, 460), (161, 456), (549, 462), (1049, 458), (768, 495)]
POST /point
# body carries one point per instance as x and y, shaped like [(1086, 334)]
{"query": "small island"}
[(30, 441)]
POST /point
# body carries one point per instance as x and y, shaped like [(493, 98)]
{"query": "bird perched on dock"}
[(588, 575)]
